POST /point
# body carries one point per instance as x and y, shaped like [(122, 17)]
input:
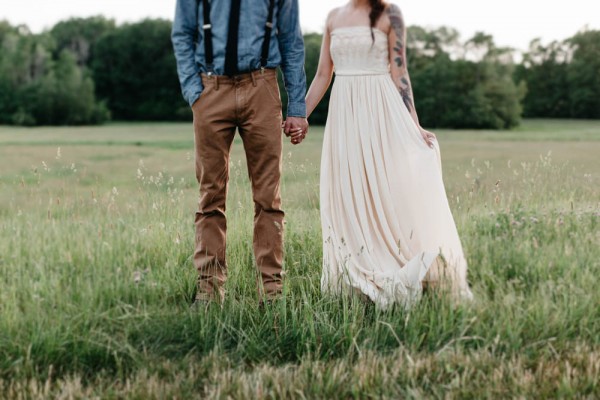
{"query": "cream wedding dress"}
[(387, 226)]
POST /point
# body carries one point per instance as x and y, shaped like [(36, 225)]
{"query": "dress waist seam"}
[(361, 73)]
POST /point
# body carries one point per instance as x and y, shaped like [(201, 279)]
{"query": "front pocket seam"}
[(270, 89)]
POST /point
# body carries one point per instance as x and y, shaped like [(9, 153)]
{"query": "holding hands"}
[(295, 128)]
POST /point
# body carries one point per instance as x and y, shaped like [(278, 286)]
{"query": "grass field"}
[(96, 234)]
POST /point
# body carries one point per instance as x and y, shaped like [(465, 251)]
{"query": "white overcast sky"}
[(512, 22)]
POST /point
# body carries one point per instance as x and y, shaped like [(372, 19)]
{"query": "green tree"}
[(562, 78), (544, 72), (462, 85), (135, 72), (65, 95), (36, 89), (80, 35), (583, 75)]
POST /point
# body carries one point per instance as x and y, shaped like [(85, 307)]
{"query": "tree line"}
[(91, 70)]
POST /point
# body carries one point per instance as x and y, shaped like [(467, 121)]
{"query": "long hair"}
[(377, 8)]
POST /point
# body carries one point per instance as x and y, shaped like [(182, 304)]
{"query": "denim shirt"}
[(286, 47)]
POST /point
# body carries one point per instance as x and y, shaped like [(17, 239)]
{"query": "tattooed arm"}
[(399, 68)]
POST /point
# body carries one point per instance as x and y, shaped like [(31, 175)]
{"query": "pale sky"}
[(512, 22)]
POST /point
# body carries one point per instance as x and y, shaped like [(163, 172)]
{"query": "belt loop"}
[(216, 82), (253, 78)]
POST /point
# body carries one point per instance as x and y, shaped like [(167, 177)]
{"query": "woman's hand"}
[(294, 130), (429, 137)]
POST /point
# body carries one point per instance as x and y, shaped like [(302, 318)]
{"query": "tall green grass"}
[(96, 278)]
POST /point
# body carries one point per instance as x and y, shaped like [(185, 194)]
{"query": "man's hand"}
[(295, 128)]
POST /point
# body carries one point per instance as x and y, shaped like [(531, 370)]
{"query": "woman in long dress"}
[(387, 228)]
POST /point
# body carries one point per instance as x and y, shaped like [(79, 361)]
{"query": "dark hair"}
[(377, 8)]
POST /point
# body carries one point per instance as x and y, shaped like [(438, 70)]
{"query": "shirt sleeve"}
[(183, 36), (291, 47)]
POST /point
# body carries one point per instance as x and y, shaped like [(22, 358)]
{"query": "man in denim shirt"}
[(227, 53)]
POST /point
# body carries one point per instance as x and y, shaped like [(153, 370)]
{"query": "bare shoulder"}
[(331, 17), (394, 17), (334, 12), (393, 9)]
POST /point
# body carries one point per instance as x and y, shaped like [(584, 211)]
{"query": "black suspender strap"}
[(208, 45), (267, 41), (208, 42)]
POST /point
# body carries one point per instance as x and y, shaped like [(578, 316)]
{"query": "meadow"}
[(96, 276)]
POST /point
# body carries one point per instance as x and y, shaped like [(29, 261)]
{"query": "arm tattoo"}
[(397, 23), (405, 92)]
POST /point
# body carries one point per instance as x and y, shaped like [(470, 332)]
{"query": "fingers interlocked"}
[(296, 129)]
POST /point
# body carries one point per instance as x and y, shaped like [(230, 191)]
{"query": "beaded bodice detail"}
[(354, 52)]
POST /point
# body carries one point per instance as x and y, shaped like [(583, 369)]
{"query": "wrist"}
[(297, 110)]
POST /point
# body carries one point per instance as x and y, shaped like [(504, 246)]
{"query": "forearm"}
[(399, 68), (404, 86), (291, 47), (317, 90), (183, 37), (294, 79)]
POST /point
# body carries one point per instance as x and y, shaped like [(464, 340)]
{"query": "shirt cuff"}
[(194, 96), (296, 110)]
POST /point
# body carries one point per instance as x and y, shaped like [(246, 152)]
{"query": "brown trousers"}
[(251, 104)]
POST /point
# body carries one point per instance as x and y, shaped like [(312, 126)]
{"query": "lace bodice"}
[(354, 53)]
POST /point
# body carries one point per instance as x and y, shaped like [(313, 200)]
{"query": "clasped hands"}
[(295, 128)]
